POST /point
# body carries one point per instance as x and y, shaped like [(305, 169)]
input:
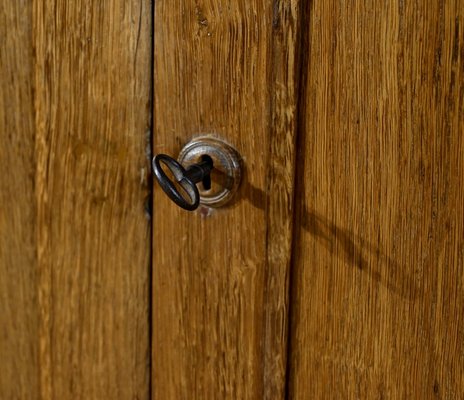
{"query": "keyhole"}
[(206, 182)]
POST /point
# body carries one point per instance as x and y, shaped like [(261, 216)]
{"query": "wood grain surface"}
[(378, 280), (285, 71), (18, 261), (92, 121), (220, 276)]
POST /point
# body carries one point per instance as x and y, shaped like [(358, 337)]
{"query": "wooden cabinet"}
[(336, 272), (75, 242)]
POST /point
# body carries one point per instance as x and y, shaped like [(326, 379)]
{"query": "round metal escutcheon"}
[(226, 174)]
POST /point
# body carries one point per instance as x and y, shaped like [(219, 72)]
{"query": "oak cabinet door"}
[(348, 228), (74, 238)]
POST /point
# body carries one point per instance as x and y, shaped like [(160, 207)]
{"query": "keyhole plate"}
[(226, 173)]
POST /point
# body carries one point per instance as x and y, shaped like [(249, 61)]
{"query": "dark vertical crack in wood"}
[(300, 143), (151, 203)]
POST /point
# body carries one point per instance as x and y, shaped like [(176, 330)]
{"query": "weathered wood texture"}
[(378, 284), (74, 238), (220, 276), (280, 172), (18, 300)]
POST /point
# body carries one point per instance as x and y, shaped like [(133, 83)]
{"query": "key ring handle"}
[(182, 178)]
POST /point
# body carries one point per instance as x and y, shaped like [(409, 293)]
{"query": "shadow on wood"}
[(354, 250)]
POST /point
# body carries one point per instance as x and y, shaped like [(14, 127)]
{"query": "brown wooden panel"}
[(280, 192), (378, 284), (92, 83), (18, 305), (220, 276)]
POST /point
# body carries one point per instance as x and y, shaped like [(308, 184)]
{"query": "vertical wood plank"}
[(285, 71), (18, 263), (378, 284), (92, 84), (220, 276)]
